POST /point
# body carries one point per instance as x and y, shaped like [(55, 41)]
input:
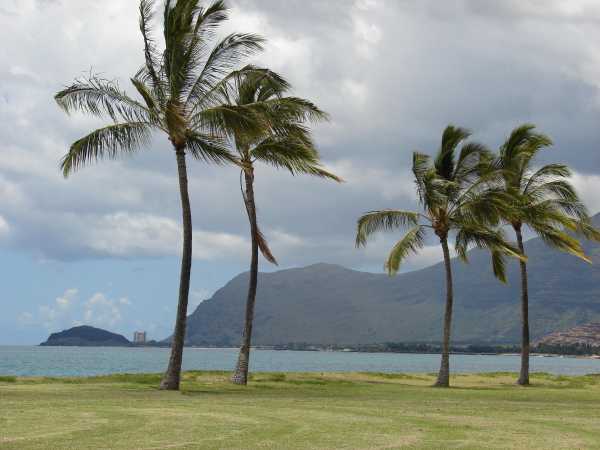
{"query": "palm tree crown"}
[(178, 89), (456, 195), (283, 139), (542, 199)]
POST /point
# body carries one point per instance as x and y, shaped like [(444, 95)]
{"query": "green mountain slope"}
[(329, 304)]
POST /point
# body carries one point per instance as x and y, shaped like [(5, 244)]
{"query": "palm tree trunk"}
[(172, 376), (443, 379), (524, 375), (240, 376)]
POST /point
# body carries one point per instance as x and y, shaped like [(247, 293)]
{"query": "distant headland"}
[(88, 336)]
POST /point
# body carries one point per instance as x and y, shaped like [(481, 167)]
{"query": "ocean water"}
[(87, 361)]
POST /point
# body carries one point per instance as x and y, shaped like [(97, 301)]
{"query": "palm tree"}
[(178, 89), (284, 141), (545, 202), (457, 196)]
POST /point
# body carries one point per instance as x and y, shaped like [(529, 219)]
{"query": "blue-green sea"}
[(87, 361)]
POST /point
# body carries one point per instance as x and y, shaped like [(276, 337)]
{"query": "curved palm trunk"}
[(443, 379), (172, 376), (524, 375), (240, 376)]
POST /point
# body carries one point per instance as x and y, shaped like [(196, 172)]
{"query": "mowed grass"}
[(300, 411)]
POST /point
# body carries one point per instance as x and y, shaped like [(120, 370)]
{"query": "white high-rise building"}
[(139, 337)]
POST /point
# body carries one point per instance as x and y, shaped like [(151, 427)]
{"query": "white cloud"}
[(588, 187), (67, 299), (4, 227), (123, 234), (101, 311), (57, 313), (367, 32), (67, 311), (388, 184), (543, 68)]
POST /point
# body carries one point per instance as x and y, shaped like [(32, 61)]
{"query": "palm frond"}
[(471, 162), (514, 144), (484, 206), (494, 240), (518, 151), (151, 55), (499, 265), (226, 55), (225, 119), (263, 246), (207, 148), (411, 243), (153, 103), (586, 229), (100, 97), (293, 155), (108, 142), (560, 240), (385, 220), (547, 173), (560, 189), (445, 159), (420, 167)]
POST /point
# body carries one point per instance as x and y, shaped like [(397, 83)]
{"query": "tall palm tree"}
[(178, 89), (283, 141), (458, 196), (546, 203)]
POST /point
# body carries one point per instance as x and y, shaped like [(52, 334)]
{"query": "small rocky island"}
[(86, 336)]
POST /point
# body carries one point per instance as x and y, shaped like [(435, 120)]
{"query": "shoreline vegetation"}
[(301, 411), (580, 351)]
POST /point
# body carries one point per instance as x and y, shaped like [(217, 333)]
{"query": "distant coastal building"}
[(139, 337)]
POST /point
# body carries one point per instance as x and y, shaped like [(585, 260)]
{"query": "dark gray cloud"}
[(392, 74)]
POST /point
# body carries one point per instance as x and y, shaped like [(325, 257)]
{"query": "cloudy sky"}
[(102, 247)]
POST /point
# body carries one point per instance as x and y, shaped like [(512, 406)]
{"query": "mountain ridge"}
[(330, 304)]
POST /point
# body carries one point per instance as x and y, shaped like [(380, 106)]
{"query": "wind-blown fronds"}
[(222, 60), (263, 246), (153, 104), (100, 97), (445, 160), (543, 200), (265, 125), (151, 54), (208, 149), (293, 155), (108, 142), (493, 240), (460, 193), (385, 220), (411, 243), (222, 119)]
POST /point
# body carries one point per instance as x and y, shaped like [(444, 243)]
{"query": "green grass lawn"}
[(300, 411)]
